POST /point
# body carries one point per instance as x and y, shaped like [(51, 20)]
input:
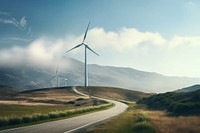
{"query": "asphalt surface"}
[(72, 124)]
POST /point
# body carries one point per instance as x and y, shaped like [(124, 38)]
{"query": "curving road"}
[(72, 124)]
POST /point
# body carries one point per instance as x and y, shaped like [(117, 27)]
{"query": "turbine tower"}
[(86, 48)]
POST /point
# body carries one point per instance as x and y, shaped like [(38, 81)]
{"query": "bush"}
[(15, 121), (77, 104), (27, 119), (71, 102), (37, 117), (80, 99), (143, 127), (4, 122), (43, 117), (140, 117), (53, 115)]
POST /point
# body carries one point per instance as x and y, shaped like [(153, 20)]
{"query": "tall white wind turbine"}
[(86, 47)]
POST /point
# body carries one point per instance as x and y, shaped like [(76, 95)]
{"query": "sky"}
[(148, 35)]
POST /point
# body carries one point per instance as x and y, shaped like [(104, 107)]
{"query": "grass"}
[(132, 121), (6, 122), (22, 110), (167, 124)]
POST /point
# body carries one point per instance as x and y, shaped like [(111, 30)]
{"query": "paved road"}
[(72, 124)]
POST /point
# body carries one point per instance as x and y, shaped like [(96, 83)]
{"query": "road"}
[(72, 124)]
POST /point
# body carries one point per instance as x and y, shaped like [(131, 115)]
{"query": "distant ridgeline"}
[(176, 103), (188, 89)]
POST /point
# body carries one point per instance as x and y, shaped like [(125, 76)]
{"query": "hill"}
[(31, 77), (177, 103), (6, 91), (44, 96), (188, 89), (114, 93)]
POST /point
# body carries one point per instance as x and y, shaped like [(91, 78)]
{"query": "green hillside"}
[(176, 103)]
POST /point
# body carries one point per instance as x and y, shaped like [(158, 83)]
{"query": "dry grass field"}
[(168, 124), (50, 97)]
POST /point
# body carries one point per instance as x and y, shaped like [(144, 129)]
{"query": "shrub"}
[(15, 121), (35, 117), (70, 102), (27, 119), (4, 122), (43, 117), (77, 104), (140, 117), (143, 127), (80, 99), (53, 115)]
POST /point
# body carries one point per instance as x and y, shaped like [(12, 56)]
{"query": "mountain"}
[(189, 89), (30, 77)]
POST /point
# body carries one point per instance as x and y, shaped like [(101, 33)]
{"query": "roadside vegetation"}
[(163, 123), (174, 112), (134, 120), (43, 116), (18, 108)]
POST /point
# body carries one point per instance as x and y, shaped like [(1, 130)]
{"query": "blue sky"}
[(151, 35)]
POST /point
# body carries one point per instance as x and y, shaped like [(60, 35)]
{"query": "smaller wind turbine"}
[(64, 79), (86, 48), (56, 75)]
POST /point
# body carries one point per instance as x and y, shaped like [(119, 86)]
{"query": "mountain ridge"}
[(124, 77)]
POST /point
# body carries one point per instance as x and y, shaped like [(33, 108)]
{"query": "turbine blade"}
[(52, 77), (57, 69), (61, 76), (74, 48), (86, 32), (91, 50)]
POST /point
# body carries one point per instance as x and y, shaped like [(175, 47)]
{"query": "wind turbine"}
[(55, 76), (64, 79), (86, 48)]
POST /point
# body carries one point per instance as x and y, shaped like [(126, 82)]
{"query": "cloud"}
[(124, 39), (8, 21), (22, 23), (190, 41), (4, 13), (42, 52), (127, 43)]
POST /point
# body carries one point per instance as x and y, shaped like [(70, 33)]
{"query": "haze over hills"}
[(31, 77)]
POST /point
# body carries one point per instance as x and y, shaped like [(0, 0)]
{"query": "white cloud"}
[(8, 21), (137, 48), (190, 41), (4, 13), (23, 22), (42, 52), (123, 39), (13, 21)]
